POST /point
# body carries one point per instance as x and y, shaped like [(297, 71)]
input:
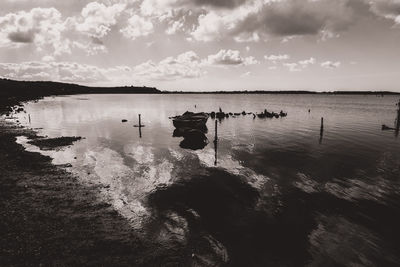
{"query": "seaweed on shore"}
[(54, 143)]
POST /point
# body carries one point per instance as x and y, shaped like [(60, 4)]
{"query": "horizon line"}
[(258, 91)]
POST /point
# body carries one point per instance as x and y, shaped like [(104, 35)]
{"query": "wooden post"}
[(322, 126), (216, 143), (397, 126), (398, 116)]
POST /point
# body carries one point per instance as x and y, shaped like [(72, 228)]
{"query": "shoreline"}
[(39, 89), (48, 217)]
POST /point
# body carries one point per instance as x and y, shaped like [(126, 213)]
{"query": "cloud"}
[(330, 64), (230, 57), (187, 65), (97, 19), (300, 65), (275, 58), (268, 18), (389, 9), (157, 7), (47, 58), (307, 62), (61, 71), (42, 27), (22, 36), (184, 66), (137, 27), (246, 74), (292, 66)]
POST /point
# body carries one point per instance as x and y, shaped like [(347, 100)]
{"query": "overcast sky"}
[(204, 44)]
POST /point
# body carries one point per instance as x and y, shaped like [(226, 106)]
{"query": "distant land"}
[(11, 88), (33, 89), (288, 92)]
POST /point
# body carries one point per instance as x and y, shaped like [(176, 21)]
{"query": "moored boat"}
[(190, 120)]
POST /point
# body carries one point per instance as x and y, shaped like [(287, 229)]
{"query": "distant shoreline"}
[(25, 90), (262, 92)]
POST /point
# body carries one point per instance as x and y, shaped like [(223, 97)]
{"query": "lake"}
[(270, 192)]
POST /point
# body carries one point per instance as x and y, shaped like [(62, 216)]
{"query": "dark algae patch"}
[(54, 143)]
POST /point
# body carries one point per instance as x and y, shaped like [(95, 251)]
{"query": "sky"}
[(204, 45)]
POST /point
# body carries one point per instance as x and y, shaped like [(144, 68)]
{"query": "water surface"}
[(272, 192)]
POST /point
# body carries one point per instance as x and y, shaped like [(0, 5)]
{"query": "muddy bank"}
[(48, 218)]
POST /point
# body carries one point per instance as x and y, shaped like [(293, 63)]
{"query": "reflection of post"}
[(216, 131), (29, 116), (139, 126), (397, 126), (321, 131), (216, 142)]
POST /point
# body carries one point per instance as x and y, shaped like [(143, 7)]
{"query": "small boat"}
[(220, 115), (190, 120)]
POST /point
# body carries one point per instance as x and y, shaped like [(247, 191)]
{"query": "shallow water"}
[(273, 191)]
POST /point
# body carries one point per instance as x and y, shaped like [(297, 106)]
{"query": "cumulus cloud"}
[(137, 27), (330, 64), (156, 7), (292, 66), (60, 71), (300, 65), (97, 19), (389, 9), (229, 57), (246, 74), (40, 26), (307, 62), (276, 58), (186, 65), (283, 18)]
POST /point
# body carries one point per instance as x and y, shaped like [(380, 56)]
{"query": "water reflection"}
[(321, 131), (266, 193), (194, 139)]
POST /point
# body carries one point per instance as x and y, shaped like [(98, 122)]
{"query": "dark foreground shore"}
[(48, 218)]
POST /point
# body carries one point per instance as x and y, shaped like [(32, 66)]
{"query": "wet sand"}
[(48, 218)]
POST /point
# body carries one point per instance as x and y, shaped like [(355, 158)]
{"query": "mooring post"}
[(321, 132), (322, 124), (398, 116), (398, 120), (140, 121)]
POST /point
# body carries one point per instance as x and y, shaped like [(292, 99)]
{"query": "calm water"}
[(272, 193)]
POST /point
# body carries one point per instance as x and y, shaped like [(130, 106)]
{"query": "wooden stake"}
[(322, 126)]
